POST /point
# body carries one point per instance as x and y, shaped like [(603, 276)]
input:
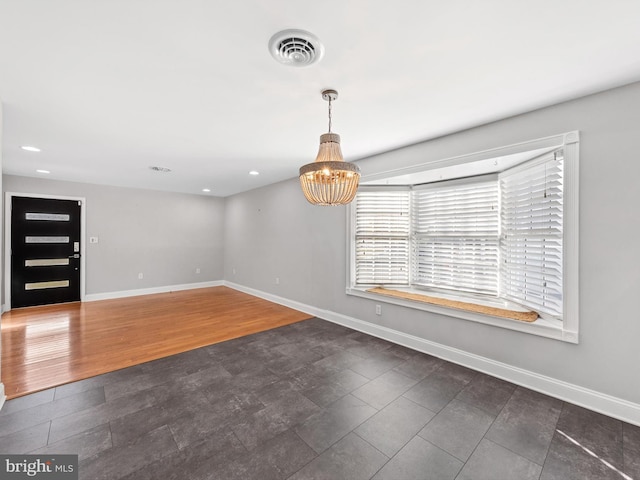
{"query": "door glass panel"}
[(41, 285), (46, 262), (46, 239), (53, 217)]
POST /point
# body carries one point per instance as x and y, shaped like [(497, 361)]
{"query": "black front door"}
[(45, 251)]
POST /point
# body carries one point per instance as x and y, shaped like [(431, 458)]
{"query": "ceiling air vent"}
[(296, 48), (160, 169)]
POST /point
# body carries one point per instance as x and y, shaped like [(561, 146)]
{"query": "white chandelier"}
[(329, 180)]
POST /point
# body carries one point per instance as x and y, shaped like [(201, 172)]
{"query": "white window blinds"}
[(456, 236), (531, 241), (382, 238), (497, 235)]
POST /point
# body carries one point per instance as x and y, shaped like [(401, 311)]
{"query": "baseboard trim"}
[(599, 402), (301, 307), (149, 291), (3, 397)]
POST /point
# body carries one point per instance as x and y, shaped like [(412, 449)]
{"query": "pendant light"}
[(329, 180)]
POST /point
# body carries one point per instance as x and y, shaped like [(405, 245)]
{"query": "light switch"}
[(93, 239)]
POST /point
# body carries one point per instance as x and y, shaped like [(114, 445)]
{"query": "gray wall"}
[(272, 232), (165, 236)]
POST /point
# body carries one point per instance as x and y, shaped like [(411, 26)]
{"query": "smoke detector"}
[(296, 48)]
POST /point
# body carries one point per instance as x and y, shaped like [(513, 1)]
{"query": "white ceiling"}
[(107, 88)]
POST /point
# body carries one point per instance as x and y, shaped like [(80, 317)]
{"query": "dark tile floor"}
[(314, 400)]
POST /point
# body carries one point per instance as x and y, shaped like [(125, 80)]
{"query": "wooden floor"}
[(43, 347)]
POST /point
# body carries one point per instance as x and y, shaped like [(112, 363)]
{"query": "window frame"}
[(566, 330)]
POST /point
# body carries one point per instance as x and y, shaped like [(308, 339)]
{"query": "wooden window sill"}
[(466, 306)]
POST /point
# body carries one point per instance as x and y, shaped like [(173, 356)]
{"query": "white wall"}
[(272, 232), (165, 236)]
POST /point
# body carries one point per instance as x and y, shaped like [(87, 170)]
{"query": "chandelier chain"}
[(329, 114)]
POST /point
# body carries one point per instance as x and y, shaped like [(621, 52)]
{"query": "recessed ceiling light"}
[(254, 172), (43, 171), (160, 169), (29, 148), (206, 190)]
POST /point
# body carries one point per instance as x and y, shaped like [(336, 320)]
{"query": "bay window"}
[(496, 235)]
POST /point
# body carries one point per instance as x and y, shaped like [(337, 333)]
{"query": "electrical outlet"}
[(93, 239), (378, 310), (197, 270), (140, 276)]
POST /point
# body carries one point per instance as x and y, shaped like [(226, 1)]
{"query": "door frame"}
[(8, 204)]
